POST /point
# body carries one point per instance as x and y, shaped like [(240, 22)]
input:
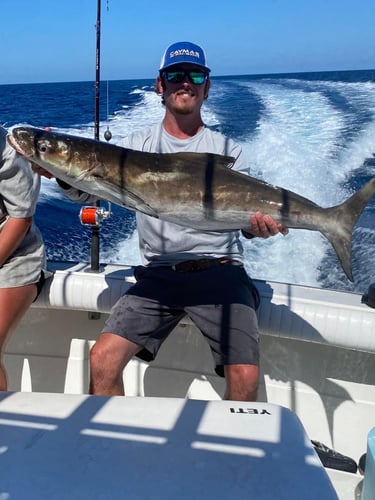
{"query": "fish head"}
[(37, 144), (52, 151), (80, 162)]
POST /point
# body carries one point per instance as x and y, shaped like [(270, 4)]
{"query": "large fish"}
[(197, 190)]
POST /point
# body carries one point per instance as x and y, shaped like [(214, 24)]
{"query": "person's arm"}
[(11, 236), (71, 192), (76, 194)]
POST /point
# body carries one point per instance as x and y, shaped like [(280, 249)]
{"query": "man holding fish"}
[(186, 271)]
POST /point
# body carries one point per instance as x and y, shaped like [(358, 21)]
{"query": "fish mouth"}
[(12, 142), (21, 144)]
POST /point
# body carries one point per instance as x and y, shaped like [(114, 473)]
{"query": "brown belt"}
[(191, 266)]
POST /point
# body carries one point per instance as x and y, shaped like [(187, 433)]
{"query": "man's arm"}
[(263, 226), (71, 192)]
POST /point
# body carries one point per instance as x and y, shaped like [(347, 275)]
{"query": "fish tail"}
[(343, 219)]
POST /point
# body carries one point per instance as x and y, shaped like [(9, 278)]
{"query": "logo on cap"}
[(184, 52)]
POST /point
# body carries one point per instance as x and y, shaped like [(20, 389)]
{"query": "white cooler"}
[(60, 446)]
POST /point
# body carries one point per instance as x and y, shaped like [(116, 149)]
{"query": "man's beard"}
[(182, 108)]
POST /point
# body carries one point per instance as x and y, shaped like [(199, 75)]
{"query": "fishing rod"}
[(94, 215), (95, 235), (97, 71)]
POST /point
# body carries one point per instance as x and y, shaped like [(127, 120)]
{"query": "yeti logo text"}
[(250, 411)]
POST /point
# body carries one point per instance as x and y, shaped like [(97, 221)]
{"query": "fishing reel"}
[(94, 216)]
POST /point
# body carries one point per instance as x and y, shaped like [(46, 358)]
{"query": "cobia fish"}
[(197, 190)]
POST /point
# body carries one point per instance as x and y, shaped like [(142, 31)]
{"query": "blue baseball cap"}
[(184, 52)]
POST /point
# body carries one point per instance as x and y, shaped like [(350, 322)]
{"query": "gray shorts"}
[(221, 301), (24, 266)]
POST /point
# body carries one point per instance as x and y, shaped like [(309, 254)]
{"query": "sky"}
[(55, 41)]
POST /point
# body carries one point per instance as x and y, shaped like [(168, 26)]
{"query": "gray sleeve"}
[(19, 186), (75, 194), (240, 164)]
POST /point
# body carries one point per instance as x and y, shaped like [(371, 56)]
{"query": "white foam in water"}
[(296, 142), (125, 252), (298, 145), (129, 120)]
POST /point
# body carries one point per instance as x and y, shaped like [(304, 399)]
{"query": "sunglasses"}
[(177, 76)]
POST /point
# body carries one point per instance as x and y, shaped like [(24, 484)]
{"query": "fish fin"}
[(124, 198), (134, 202), (345, 217)]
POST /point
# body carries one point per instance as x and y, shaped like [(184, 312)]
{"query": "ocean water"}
[(312, 133)]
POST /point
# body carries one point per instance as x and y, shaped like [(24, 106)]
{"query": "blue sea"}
[(312, 133)]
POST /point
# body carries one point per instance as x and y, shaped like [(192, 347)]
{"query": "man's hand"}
[(41, 171), (263, 226)]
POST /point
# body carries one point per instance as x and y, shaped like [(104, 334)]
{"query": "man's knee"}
[(112, 351), (242, 382), (102, 355)]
